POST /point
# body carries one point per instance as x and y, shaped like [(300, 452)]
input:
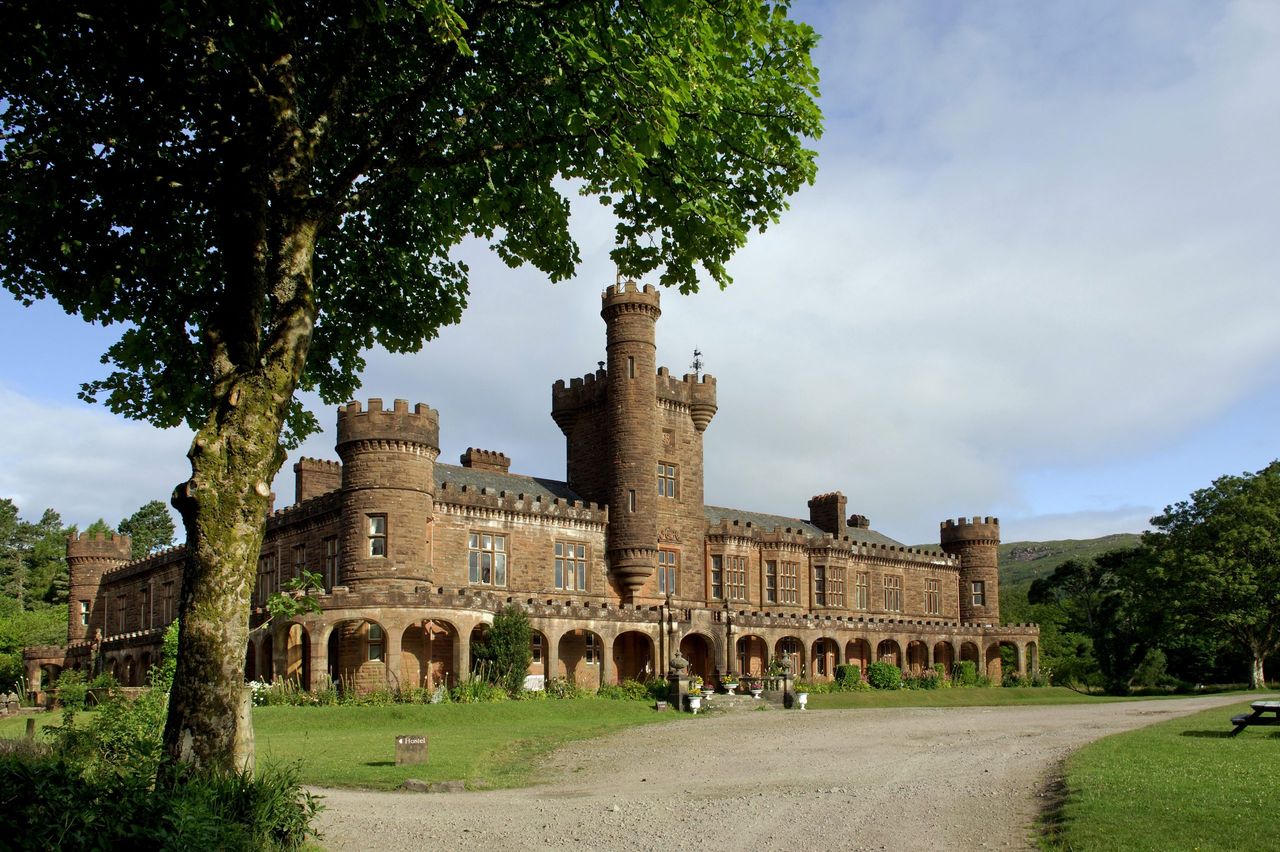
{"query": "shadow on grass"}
[(1208, 735), (1052, 821), (380, 763)]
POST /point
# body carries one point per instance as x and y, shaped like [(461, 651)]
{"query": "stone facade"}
[(619, 566)]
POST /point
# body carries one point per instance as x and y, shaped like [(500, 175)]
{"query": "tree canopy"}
[(1220, 551), (259, 192), (150, 528)]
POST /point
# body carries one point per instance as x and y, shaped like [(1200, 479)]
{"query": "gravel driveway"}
[(898, 779)]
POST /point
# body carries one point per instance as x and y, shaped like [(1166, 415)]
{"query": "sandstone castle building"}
[(618, 566)]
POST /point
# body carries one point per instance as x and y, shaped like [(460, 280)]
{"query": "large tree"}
[(1221, 553), (261, 191), (149, 529)]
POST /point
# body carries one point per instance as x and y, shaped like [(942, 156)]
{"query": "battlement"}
[(114, 547), (486, 460), (420, 426), (519, 503), (970, 530), (629, 296)]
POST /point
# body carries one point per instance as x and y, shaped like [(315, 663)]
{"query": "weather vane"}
[(697, 364)]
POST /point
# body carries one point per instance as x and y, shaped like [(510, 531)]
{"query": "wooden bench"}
[(1257, 717)]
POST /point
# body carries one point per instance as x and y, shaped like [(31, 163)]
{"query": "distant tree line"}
[(1198, 601), (34, 579)]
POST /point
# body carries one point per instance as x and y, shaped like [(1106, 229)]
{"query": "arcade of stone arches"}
[(356, 652)]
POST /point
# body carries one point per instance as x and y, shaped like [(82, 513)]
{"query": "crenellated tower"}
[(977, 543), (631, 352), (88, 558), (388, 492)]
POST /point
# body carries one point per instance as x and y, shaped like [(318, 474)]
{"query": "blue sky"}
[(1036, 278)]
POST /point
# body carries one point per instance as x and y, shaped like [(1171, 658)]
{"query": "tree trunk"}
[(224, 507), (1257, 679)]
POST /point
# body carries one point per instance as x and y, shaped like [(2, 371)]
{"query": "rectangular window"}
[(487, 559), (932, 597), (771, 581), (330, 563), (631, 367), (862, 590), (667, 478), (835, 586), (166, 610), (668, 568), (979, 593), (819, 585), (144, 610), (84, 613), (717, 578), (122, 608), (892, 593), (737, 578), (592, 653), (631, 500), (790, 583), (377, 535), (535, 647), (571, 566), (299, 560), (375, 643)]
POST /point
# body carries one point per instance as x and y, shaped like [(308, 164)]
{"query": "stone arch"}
[(699, 650), (295, 652), (795, 647), (858, 652), (49, 674), (969, 653), (888, 651), (944, 654), (579, 654), (427, 649), (752, 657), (357, 655), (129, 676), (1011, 654), (538, 647), (633, 656), (479, 635), (266, 655), (825, 654), (994, 669), (917, 656)]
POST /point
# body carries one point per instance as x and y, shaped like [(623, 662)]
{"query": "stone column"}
[(392, 639), (319, 657)]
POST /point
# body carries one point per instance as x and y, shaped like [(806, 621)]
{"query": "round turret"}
[(630, 315), (88, 558), (976, 542), (388, 492)]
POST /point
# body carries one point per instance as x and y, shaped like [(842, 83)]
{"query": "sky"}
[(1036, 278)]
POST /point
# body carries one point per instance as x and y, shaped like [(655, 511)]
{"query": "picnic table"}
[(1257, 717)]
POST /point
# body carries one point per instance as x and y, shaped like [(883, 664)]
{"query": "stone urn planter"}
[(707, 692), (756, 692), (695, 704), (731, 687), (802, 699)]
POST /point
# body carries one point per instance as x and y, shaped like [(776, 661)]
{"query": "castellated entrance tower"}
[(388, 492), (88, 558), (635, 442), (977, 543)]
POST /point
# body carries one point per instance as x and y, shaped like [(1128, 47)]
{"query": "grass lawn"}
[(1180, 784), (495, 745)]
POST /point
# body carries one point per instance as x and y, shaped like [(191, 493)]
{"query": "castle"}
[(617, 567)]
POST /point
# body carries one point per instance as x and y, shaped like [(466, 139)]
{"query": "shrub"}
[(559, 687), (73, 689), (50, 805), (628, 690), (965, 673), (505, 652), (477, 690), (1011, 678), (884, 676), (658, 688), (848, 677)]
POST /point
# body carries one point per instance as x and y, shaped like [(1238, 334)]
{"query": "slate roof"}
[(760, 520), (512, 483)]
